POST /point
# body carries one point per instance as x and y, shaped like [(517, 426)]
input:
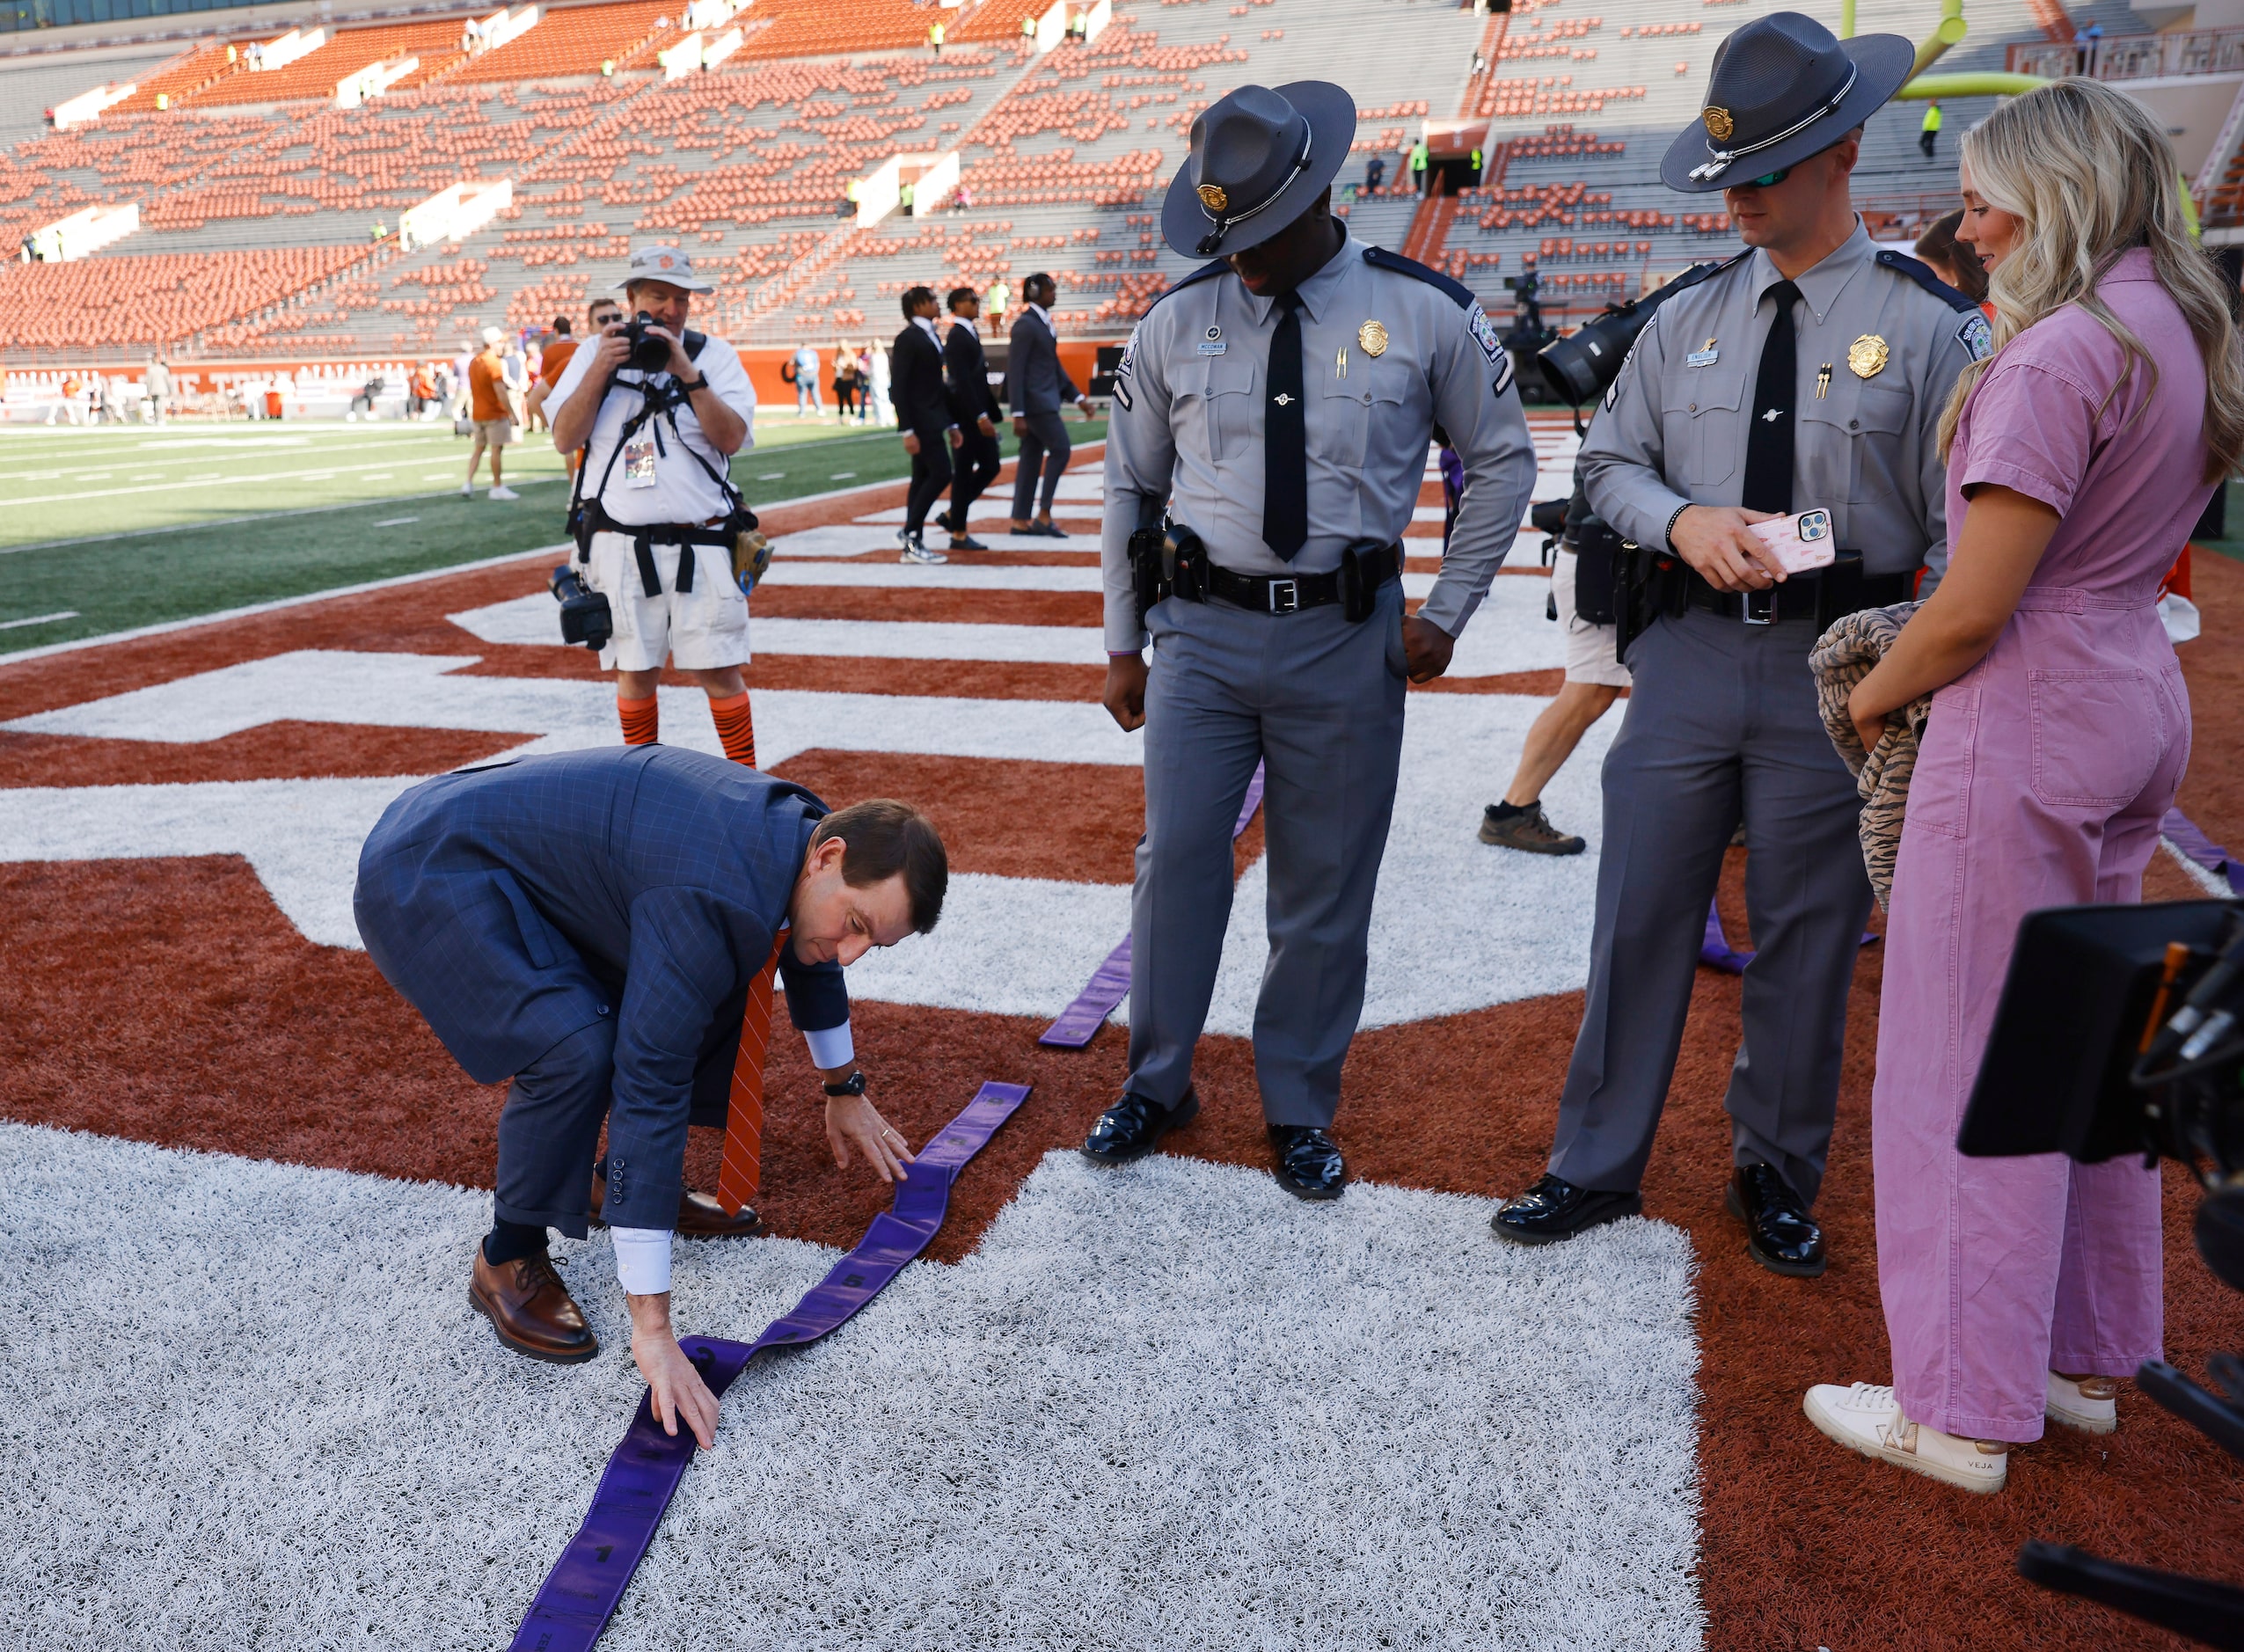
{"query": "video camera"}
[(2121, 1030), (1580, 367)]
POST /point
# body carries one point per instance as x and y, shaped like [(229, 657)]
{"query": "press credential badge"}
[(638, 462)]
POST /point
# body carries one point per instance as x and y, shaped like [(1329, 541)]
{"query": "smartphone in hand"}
[(1798, 544)]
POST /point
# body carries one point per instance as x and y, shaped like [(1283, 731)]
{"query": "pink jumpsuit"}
[(2044, 773)]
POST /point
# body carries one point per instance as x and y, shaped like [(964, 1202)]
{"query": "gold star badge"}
[(1868, 355), (1718, 123), (1213, 197), (1372, 337)]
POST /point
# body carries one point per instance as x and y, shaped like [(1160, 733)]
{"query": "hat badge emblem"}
[(1213, 197), (1719, 125)]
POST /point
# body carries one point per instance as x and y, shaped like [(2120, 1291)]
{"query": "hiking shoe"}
[(1526, 828)]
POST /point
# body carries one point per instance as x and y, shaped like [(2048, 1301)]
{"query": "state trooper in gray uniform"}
[(1279, 401), (1808, 372)]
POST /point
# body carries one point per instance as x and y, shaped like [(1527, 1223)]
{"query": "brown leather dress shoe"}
[(699, 1215), (530, 1309)]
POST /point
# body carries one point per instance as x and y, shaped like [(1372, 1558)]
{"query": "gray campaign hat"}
[(1259, 156), (1784, 87)]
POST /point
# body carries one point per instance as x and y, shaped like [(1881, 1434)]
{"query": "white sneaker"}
[(2091, 1405), (1867, 1418), (502, 492), (467, 490)]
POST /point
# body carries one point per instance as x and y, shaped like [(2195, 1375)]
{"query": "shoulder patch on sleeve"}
[(1975, 336), (1902, 264), (1219, 267), (1484, 333), (1122, 395), (1380, 258)]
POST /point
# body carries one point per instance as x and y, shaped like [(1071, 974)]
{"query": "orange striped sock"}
[(640, 718), (736, 729)]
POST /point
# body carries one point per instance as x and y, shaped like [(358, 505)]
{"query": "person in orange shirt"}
[(555, 361), (494, 426)]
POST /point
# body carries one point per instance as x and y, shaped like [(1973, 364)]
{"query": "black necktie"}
[(1285, 440), (1768, 443)]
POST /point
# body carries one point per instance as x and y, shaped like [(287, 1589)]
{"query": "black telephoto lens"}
[(1579, 367), (648, 354)]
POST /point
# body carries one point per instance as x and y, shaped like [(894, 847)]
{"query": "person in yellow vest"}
[(1420, 169), (1928, 133), (935, 36)]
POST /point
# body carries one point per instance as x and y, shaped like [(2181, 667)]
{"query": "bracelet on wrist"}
[(1668, 532)]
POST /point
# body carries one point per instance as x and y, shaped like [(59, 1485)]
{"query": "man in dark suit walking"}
[(966, 371), (605, 927), (1038, 387), (923, 409)]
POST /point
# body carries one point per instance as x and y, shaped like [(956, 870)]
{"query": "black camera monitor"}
[(2081, 984)]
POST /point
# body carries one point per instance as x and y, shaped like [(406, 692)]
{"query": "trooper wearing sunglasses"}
[(1808, 371)]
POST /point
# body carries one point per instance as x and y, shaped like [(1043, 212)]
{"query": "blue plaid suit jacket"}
[(516, 904)]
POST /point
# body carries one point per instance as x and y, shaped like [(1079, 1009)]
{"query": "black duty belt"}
[(1290, 593), (1802, 596)]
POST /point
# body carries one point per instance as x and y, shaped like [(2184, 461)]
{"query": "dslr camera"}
[(2120, 1031), (586, 617), (648, 353)]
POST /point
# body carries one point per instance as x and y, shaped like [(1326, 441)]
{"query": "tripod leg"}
[(2210, 1612)]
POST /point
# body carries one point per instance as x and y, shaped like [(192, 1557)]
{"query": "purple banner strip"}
[(1109, 983), (587, 1583), (2185, 834)]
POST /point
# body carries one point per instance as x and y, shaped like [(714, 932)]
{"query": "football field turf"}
[(108, 528)]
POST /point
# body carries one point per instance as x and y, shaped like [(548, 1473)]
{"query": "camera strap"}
[(589, 517)]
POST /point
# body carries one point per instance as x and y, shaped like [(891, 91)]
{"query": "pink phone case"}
[(1798, 544)]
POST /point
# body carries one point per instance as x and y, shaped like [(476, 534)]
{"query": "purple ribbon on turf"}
[(1109, 983), (1715, 950), (2184, 834), (581, 1594)]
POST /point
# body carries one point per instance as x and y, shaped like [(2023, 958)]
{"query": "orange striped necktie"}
[(742, 1170)]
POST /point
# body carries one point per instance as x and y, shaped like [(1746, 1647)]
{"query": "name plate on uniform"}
[(1706, 357), (1213, 347)]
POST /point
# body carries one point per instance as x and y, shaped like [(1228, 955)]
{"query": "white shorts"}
[(1589, 648), (701, 630)]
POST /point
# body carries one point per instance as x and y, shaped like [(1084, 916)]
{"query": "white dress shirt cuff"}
[(831, 1046), (642, 1260)]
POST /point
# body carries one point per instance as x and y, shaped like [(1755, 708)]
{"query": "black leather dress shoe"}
[(1781, 1234), (1134, 1126), (1308, 1164), (1554, 1209)]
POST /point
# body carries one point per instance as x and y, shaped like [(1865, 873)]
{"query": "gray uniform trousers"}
[(1722, 716), (1319, 701)]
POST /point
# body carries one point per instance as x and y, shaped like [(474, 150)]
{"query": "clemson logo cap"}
[(654, 262)]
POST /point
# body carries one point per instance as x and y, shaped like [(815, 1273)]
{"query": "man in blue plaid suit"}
[(590, 925)]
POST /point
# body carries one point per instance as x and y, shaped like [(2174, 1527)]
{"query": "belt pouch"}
[(1596, 573), (1186, 560), (1363, 569)]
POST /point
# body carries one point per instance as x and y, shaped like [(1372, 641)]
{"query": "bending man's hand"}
[(1124, 696), (1426, 649), (852, 1121), (1712, 538), (678, 1392)]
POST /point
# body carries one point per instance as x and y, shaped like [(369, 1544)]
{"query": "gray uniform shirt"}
[(1673, 428), (1187, 428)]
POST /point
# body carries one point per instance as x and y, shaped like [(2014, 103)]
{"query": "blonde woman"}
[(2078, 455)]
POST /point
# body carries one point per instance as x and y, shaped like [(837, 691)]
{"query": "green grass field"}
[(105, 530)]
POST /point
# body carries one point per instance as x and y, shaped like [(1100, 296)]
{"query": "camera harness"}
[(588, 516)]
